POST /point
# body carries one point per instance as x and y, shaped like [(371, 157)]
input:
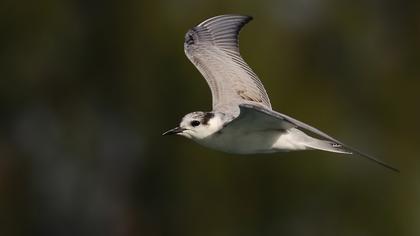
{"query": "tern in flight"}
[(242, 120)]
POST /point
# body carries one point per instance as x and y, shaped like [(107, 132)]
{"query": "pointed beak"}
[(174, 131)]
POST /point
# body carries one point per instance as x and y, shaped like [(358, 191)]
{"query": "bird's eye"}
[(195, 123)]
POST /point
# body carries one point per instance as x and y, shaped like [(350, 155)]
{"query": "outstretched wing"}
[(212, 46), (264, 119)]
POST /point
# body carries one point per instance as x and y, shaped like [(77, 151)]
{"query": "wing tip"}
[(243, 17), (371, 158), (215, 27)]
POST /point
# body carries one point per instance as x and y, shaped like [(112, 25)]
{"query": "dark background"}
[(87, 88)]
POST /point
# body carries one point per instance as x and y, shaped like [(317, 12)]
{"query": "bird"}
[(242, 120)]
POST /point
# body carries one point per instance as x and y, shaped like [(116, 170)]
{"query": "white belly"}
[(242, 142)]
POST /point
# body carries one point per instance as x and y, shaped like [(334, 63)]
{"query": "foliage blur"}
[(87, 88)]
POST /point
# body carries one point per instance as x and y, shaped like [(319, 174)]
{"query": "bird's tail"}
[(330, 146)]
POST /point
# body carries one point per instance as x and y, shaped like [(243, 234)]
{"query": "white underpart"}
[(269, 141), (291, 140)]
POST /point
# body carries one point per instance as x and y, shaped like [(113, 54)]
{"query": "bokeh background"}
[(87, 88)]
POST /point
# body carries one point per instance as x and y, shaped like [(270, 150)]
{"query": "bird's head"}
[(198, 125)]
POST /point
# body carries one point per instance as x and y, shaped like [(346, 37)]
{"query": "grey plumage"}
[(212, 47)]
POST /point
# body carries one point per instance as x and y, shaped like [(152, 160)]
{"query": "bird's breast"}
[(242, 141)]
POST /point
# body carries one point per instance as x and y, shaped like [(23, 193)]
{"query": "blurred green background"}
[(87, 88)]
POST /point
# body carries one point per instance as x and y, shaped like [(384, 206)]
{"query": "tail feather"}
[(330, 146)]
